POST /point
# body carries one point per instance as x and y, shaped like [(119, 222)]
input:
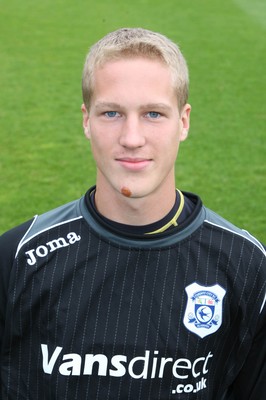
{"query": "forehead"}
[(135, 75), (131, 60)]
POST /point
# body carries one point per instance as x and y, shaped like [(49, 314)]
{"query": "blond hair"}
[(136, 42)]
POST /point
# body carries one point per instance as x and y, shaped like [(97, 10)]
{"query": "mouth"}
[(133, 164)]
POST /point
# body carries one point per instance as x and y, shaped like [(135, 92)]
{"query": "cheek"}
[(96, 136), (170, 151), (168, 142), (96, 147), (101, 147)]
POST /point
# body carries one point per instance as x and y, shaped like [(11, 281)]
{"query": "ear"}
[(185, 121), (86, 125)]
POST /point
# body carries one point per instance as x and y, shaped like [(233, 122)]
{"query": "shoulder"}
[(219, 224), (12, 240), (52, 219), (9, 240)]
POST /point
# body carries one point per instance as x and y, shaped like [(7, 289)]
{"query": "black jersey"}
[(87, 312)]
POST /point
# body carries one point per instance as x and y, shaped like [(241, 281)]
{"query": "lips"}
[(134, 164)]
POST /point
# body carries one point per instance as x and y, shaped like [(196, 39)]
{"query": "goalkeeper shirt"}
[(90, 311)]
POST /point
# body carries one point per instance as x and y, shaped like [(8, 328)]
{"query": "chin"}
[(132, 192)]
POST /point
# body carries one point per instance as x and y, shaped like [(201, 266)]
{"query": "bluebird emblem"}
[(203, 314)]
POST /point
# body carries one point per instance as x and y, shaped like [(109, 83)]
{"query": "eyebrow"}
[(104, 104), (156, 106)]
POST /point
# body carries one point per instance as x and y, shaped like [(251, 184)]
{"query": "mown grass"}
[(44, 159)]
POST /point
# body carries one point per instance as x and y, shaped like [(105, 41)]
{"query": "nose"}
[(132, 134)]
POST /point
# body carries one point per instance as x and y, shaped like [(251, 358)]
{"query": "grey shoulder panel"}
[(216, 220), (58, 216)]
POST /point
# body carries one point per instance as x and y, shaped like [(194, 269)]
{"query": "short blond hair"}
[(136, 42)]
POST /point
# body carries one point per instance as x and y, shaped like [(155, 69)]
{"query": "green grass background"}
[(45, 160)]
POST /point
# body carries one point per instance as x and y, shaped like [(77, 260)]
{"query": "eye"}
[(153, 115), (111, 114)]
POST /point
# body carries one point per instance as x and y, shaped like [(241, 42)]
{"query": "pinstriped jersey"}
[(88, 312)]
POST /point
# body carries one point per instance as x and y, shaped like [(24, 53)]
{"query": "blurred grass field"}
[(45, 160)]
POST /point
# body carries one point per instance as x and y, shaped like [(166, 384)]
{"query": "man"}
[(136, 290)]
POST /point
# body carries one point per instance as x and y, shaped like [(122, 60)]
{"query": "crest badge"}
[(203, 314)]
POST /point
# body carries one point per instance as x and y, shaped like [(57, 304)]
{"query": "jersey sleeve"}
[(9, 242), (251, 382)]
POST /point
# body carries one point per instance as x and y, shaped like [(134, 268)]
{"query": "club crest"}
[(203, 314)]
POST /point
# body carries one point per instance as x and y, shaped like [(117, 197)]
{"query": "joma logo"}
[(49, 247)]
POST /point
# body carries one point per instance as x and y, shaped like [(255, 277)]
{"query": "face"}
[(135, 127)]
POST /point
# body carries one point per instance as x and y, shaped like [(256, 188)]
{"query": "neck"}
[(135, 210)]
